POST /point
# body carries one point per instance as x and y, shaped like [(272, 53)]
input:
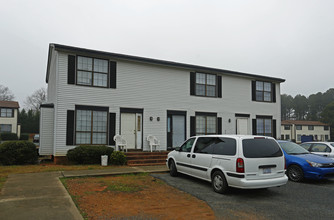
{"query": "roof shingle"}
[(9, 104)]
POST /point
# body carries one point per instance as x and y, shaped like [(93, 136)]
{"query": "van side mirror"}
[(177, 148)]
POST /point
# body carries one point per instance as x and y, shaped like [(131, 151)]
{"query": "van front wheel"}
[(219, 183)]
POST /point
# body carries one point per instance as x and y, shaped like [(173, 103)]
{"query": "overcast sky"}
[(290, 39)]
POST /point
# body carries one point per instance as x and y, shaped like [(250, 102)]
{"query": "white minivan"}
[(248, 162)]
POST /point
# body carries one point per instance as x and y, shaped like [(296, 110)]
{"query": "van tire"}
[(295, 173), (219, 183), (172, 168)]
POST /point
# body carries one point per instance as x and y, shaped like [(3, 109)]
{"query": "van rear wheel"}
[(219, 183)]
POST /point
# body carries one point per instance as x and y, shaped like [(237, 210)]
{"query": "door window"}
[(186, 147), (320, 148)]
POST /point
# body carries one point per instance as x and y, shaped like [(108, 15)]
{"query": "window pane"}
[(100, 79), (211, 90), (3, 112), (259, 96), (259, 126), (99, 138), (226, 146), (259, 86), (82, 138), (200, 78), (5, 128), (211, 124), (267, 87), (101, 66), (84, 78), (83, 122), (200, 89), (267, 126), (85, 63), (260, 148), (200, 125), (205, 145), (99, 121), (267, 96), (211, 79)]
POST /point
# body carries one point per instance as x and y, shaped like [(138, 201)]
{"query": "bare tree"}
[(36, 99), (5, 94)]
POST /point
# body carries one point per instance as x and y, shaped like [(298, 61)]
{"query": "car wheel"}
[(219, 183), (295, 173), (172, 168)]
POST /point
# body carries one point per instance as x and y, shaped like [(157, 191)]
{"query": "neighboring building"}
[(93, 95), (8, 117), (295, 130)]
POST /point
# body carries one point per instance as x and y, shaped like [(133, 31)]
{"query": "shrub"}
[(24, 137), (8, 136), (117, 158), (88, 154), (18, 153)]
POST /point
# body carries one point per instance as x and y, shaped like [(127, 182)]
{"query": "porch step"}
[(146, 158)]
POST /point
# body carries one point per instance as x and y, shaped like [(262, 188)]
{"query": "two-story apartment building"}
[(296, 129), (8, 117), (93, 95)]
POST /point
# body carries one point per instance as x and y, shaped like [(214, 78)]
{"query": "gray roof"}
[(190, 67)]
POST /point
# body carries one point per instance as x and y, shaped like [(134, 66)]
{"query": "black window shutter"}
[(254, 126), (71, 69), (274, 129), (70, 128), (253, 90), (113, 74), (112, 128), (192, 83), (273, 89), (219, 84), (219, 131), (192, 126)]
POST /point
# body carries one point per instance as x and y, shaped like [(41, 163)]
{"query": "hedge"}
[(88, 154), (8, 136), (18, 153), (117, 158)]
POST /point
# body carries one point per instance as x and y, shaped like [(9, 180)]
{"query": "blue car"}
[(302, 164)]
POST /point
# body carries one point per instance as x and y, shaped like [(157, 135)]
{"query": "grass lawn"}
[(133, 196), (7, 170)]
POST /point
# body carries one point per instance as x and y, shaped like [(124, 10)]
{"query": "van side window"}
[(215, 145), (227, 146), (186, 147), (204, 145)]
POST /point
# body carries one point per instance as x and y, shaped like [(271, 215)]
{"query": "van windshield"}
[(260, 148)]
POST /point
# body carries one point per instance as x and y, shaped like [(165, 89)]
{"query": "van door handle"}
[(193, 156), (188, 155)]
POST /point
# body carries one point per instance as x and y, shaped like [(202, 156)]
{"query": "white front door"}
[(131, 129), (242, 126)]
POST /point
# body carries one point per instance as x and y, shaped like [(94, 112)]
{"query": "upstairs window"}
[(311, 127), (205, 84), (298, 127), (6, 113), (92, 71), (326, 128), (286, 127), (263, 91)]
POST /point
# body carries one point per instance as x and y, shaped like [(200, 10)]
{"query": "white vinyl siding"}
[(155, 89)]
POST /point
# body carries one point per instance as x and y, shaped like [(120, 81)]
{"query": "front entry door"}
[(176, 133), (242, 126), (131, 129)]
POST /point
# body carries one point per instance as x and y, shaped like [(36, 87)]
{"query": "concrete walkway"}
[(42, 195)]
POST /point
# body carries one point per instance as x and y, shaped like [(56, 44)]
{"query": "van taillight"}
[(240, 165), (284, 163)]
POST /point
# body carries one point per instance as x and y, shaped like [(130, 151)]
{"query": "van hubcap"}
[(218, 182)]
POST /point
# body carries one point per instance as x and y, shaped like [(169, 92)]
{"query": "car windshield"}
[(292, 148), (332, 144)]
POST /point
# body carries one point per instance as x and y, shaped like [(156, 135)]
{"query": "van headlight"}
[(314, 164)]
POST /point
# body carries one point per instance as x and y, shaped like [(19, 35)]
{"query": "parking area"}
[(307, 200)]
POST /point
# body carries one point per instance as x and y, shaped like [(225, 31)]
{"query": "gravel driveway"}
[(307, 200)]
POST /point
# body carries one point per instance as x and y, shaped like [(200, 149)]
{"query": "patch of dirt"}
[(134, 197)]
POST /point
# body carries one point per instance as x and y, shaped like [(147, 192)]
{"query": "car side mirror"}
[(177, 148)]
